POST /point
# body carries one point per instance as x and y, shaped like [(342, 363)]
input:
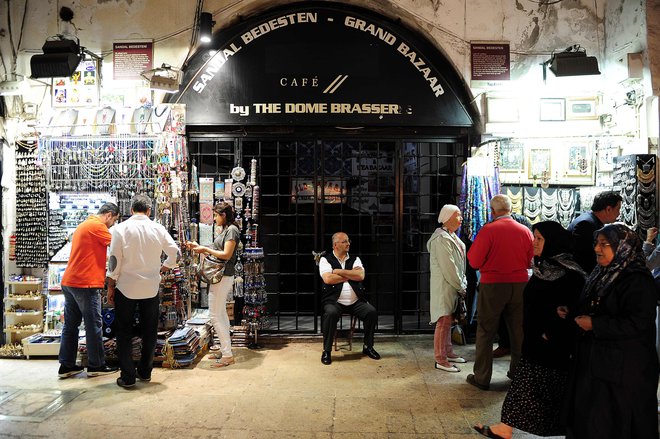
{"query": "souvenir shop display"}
[(31, 248), (634, 178), (63, 178)]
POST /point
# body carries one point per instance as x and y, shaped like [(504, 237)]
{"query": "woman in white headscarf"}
[(447, 261)]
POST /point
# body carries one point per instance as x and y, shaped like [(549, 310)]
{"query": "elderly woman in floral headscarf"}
[(536, 397), (447, 261), (615, 376)]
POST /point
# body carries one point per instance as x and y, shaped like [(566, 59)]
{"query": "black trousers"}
[(332, 313), (124, 319)]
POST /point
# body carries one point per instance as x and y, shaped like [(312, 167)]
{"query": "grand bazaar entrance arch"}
[(358, 124)]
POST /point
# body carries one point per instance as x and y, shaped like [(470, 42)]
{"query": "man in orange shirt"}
[(83, 280)]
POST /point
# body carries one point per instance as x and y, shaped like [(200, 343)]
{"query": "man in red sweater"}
[(502, 252), (82, 282)]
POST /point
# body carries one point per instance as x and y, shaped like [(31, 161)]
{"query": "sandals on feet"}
[(224, 362), (215, 356)]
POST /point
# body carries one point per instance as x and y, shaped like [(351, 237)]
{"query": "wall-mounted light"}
[(206, 24), (164, 78), (571, 62), (14, 88)]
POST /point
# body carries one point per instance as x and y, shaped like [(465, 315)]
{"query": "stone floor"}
[(281, 391)]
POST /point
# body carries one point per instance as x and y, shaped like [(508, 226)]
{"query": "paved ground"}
[(281, 391)]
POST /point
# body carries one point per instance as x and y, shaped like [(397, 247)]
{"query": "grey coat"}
[(447, 263)]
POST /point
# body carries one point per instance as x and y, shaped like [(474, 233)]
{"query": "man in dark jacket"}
[(343, 292), (604, 210)]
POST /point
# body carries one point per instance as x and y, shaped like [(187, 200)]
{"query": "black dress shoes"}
[(370, 352), (326, 358)]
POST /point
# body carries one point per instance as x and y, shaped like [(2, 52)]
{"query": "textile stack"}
[(182, 347)]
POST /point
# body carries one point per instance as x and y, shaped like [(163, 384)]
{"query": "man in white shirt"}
[(343, 292), (134, 268)]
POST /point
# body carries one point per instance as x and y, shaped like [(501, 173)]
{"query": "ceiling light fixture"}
[(164, 78), (206, 24)]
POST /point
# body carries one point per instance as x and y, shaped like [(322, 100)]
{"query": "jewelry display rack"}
[(85, 167), (120, 165), (634, 177), (31, 208), (561, 204)]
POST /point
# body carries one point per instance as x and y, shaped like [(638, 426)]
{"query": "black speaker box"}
[(61, 46), (574, 64), (54, 65)]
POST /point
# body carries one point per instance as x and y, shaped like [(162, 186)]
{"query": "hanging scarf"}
[(628, 256)]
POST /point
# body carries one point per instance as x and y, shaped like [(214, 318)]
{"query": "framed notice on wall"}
[(130, 58), (490, 62)]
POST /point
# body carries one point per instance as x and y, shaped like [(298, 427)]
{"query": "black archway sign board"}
[(322, 64)]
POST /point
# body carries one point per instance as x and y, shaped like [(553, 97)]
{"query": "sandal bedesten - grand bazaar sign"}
[(322, 64)]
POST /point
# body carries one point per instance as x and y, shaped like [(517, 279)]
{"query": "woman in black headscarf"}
[(533, 403), (615, 375)]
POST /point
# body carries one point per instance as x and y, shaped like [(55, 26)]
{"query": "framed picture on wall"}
[(579, 160), (502, 110), (539, 162), (552, 110), (606, 156), (512, 157), (581, 109)]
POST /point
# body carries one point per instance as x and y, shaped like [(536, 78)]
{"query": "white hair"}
[(500, 203)]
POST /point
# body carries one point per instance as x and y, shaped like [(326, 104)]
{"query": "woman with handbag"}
[(220, 282), (534, 401), (447, 262)]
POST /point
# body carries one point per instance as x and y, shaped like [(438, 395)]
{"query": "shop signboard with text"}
[(322, 64)]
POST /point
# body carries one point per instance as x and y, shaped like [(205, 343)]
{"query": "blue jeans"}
[(82, 304)]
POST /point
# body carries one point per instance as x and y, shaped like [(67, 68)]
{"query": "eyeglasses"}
[(602, 244)]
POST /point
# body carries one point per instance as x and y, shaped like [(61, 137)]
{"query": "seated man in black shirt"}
[(343, 292)]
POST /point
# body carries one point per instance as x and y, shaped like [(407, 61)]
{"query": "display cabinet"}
[(23, 310)]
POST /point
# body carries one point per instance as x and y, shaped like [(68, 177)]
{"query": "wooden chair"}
[(351, 331)]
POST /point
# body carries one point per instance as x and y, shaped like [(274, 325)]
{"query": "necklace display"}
[(516, 196), (566, 206), (549, 204), (647, 215), (532, 204), (625, 172), (121, 165)]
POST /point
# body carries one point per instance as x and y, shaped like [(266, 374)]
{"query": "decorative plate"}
[(238, 173), (238, 189)]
